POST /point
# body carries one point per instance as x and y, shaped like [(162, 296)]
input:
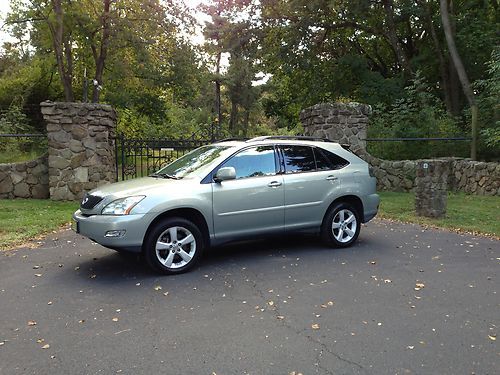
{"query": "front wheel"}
[(173, 246), (341, 225)]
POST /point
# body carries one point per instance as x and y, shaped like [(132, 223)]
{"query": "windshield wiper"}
[(164, 175)]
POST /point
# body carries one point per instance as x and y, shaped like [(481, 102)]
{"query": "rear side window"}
[(322, 163), (298, 159), (336, 161)]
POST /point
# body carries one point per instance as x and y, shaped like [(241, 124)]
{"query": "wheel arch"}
[(191, 214), (353, 200)]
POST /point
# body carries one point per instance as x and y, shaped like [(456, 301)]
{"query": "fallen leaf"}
[(387, 281), (38, 274), (165, 294), (315, 326), (49, 303), (40, 341), (81, 321), (330, 303), (36, 267), (323, 306), (93, 276), (31, 323), (280, 317), (46, 346), (2, 343), (410, 347), (114, 319), (270, 303), (493, 337), (373, 262), (158, 287), (77, 268)]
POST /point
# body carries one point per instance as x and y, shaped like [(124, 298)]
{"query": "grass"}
[(469, 213), (19, 156), (25, 219)]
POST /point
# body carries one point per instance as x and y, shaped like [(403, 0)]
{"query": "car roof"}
[(233, 142)]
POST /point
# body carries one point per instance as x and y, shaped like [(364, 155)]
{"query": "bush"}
[(14, 121), (417, 115)]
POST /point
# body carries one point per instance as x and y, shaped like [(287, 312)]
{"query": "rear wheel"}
[(341, 225), (174, 246)]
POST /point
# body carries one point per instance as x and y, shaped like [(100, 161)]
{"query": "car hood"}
[(148, 186), (137, 186)]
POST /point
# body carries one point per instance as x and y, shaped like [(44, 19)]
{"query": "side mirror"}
[(226, 173)]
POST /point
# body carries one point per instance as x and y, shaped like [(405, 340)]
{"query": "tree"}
[(462, 74)]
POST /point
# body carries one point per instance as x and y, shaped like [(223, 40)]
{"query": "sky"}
[(4, 9)]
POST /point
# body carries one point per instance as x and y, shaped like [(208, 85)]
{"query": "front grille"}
[(90, 201)]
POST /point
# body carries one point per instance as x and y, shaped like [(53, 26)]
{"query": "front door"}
[(253, 203)]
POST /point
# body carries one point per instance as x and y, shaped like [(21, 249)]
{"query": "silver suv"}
[(233, 190)]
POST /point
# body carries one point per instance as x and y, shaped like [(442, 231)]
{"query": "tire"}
[(341, 225), (173, 246)]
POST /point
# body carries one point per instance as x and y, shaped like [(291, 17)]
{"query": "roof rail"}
[(289, 137), (232, 139)]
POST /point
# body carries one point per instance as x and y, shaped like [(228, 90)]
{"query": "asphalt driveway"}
[(404, 300)]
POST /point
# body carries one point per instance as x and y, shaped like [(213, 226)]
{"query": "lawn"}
[(24, 219), (469, 213)]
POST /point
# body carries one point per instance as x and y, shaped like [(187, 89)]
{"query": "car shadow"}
[(113, 267)]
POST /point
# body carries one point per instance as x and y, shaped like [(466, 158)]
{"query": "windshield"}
[(192, 162)]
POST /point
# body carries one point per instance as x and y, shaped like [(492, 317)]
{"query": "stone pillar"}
[(81, 147), (431, 187), (344, 123)]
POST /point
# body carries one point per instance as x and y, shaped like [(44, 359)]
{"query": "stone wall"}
[(343, 122), (347, 123), (475, 177), (25, 180), (431, 187), (81, 147)]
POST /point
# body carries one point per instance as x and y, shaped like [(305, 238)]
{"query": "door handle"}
[(332, 178), (274, 184)]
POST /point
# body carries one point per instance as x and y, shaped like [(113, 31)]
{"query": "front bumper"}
[(132, 229)]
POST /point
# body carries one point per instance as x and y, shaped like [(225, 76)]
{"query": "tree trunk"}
[(462, 74), (443, 69), (218, 109), (233, 118), (246, 120), (393, 38), (58, 43), (100, 59)]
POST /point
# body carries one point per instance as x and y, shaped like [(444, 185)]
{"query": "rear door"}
[(310, 182), (253, 203)]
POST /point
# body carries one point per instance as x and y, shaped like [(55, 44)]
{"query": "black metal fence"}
[(141, 157), (418, 147)]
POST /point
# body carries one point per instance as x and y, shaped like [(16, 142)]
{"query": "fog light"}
[(115, 233)]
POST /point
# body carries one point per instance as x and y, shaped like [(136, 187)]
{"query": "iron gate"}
[(141, 157)]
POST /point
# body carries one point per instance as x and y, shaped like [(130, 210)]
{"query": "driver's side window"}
[(253, 162)]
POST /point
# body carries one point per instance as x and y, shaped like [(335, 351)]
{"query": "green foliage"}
[(14, 121), (489, 107), (417, 115)]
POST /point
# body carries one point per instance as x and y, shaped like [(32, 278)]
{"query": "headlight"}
[(122, 206)]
